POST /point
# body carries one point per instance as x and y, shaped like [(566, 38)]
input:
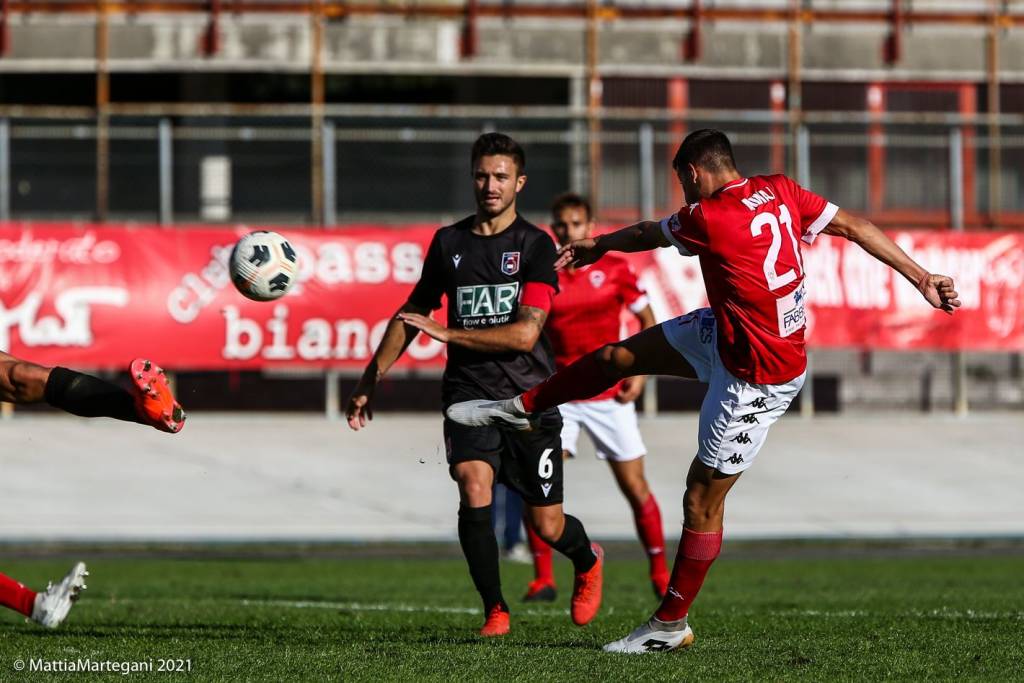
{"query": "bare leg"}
[(21, 382), (703, 513)]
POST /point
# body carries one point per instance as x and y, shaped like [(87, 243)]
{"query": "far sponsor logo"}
[(510, 262), (546, 488), (597, 278)]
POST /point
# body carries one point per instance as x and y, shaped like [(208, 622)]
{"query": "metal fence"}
[(413, 165)]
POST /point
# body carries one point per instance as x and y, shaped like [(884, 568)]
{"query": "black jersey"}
[(483, 277)]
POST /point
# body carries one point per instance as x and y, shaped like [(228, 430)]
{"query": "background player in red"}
[(586, 314), (748, 347)]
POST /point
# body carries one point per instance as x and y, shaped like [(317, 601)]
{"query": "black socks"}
[(479, 545), (575, 545), (88, 396)]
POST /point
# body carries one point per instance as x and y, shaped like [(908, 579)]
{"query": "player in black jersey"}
[(497, 273)]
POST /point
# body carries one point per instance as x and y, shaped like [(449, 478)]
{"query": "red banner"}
[(96, 296)]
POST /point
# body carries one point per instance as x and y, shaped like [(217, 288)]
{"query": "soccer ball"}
[(262, 266)]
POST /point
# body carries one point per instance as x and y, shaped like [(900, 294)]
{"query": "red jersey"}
[(587, 312), (747, 236)]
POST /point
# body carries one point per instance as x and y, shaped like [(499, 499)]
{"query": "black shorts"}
[(527, 462)]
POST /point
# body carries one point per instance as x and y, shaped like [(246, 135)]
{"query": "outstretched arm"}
[(397, 338), (520, 335), (938, 290), (642, 236)]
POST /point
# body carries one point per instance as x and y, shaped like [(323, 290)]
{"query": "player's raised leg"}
[(646, 353), (566, 534), (152, 402), (629, 475), (47, 608)]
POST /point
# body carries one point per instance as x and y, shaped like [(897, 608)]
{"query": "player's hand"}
[(939, 291), (630, 389), (359, 410), (426, 325), (578, 253)]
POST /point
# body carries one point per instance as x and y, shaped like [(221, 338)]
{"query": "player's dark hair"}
[(568, 200), (492, 144), (707, 148)]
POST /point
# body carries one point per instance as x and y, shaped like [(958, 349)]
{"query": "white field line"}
[(950, 614)]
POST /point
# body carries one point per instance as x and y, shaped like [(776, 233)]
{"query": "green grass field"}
[(413, 617)]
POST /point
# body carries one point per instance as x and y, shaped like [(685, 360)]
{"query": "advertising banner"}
[(95, 296)]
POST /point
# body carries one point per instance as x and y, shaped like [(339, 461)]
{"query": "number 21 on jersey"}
[(790, 308), (768, 220)]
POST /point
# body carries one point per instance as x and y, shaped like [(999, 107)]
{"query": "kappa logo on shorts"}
[(741, 438), (707, 330), (510, 262), (546, 488), (750, 419), (758, 403), (736, 459)]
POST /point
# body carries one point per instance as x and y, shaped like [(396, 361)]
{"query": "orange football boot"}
[(154, 401), (497, 623), (586, 591)]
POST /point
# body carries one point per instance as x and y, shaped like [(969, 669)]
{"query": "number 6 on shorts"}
[(546, 468)]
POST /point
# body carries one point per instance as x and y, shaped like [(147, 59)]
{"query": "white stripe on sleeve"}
[(821, 222), (640, 304), (666, 228)]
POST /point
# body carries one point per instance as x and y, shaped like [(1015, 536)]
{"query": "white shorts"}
[(611, 426), (736, 414)]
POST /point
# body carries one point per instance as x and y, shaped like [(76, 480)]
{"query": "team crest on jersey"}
[(510, 262), (597, 278)]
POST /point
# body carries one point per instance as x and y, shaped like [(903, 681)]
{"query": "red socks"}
[(580, 380), (697, 550), (541, 557), (648, 528), (16, 596)]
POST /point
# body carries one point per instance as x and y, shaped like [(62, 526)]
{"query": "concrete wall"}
[(273, 477), (43, 42)]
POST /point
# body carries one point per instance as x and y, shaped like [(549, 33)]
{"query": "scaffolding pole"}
[(956, 216)]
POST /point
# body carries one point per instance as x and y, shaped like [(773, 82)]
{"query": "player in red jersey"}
[(585, 315), (748, 347)]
